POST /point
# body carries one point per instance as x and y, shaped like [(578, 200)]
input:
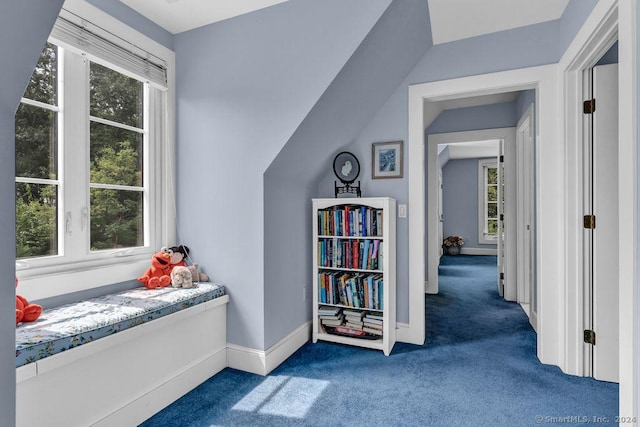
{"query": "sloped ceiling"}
[(450, 19), (460, 19), (177, 16)]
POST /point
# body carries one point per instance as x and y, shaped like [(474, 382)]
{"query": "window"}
[(488, 201), (37, 183), (90, 156)]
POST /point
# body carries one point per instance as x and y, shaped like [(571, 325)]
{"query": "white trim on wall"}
[(609, 20), (551, 318), (483, 165), (628, 194), (262, 362)]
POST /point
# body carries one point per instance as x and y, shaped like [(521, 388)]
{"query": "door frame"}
[(609, 20), (556, 105), (433, 253), (424, 107)]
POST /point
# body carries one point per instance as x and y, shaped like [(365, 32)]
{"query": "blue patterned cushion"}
[(68, 326)]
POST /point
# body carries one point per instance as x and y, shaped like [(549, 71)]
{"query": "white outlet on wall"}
[(402, 211), (304, 293)]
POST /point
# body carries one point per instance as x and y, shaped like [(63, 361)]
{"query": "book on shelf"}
[(373, 320), (330, 317), (372, 330), (351, 312), (372, 325), (353, 324), (354, 221), (357, 290), (358, 326), (332, 322), (373, 315), (326, 310)]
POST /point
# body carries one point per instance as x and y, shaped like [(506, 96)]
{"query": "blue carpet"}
[(478, 367)]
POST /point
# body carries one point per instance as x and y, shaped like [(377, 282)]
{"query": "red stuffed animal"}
[(26, 312), (159, 274)]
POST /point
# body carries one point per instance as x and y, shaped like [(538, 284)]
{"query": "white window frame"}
[(484, 238), (56, 275)]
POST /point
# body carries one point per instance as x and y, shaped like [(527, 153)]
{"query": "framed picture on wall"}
[(386, 160)]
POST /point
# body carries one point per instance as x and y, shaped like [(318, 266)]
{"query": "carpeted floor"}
[(477, 368)]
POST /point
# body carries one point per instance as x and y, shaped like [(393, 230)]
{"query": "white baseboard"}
[(478, 251), (428, 290), (262, 362), (402, 333)]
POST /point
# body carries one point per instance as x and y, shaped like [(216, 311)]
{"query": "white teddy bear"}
[(181, 277)]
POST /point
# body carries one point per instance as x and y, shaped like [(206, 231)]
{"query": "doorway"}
[(480, 143), (559, 201)]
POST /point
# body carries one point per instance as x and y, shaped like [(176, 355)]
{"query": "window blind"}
[(110, 50)]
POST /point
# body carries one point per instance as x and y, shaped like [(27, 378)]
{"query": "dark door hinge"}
[(590, 337), (501, 217), (590, 221), (501, 159), (501, 276), (589, 106)]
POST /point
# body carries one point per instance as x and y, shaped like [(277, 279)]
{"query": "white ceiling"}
[(450, 19), (460, 19), (177, 16), (474, 149)]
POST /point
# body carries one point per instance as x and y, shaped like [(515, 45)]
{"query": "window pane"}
[(492, 194), (492, 227), (36, 220), (116, 219), (116, 97), (44, 80), (492, 175), (36, 142), (116, 155), (492, 210)]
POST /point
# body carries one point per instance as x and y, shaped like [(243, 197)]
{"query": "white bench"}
[(143, 363)]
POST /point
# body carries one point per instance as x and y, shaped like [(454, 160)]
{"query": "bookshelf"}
[(354, 271)]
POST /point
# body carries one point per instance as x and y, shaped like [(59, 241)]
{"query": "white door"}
[(524, 154), (440, 211), (604, 237), (501, 227)]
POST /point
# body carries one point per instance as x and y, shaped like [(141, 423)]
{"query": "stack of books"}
[(353, 319), (372, 323), (330, 316)]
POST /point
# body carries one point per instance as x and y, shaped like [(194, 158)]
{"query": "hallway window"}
[(488, 197)]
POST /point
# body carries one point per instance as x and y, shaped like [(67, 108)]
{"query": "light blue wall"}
[(506, 50), (523, 101), (460, 201), (611, 56), (244, 85), (393, 46), (459, 120), (24, 28), (475, 118)]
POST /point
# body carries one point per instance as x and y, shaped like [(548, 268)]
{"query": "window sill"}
[(40, 283), (484, 240)]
